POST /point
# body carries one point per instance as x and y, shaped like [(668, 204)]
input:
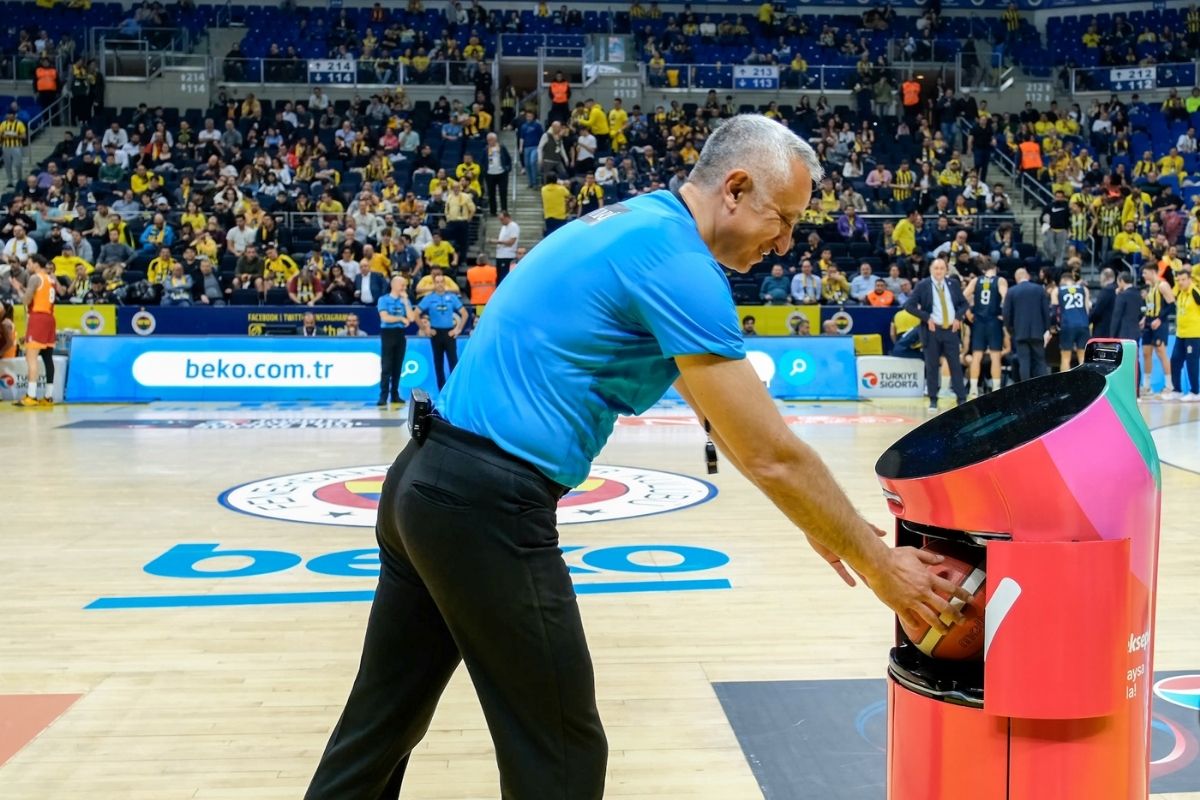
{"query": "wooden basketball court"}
[(194, 683)]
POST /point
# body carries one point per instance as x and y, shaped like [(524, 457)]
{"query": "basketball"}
[(964, 640)]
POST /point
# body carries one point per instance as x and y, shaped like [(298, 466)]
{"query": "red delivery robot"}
[(1052, 486)]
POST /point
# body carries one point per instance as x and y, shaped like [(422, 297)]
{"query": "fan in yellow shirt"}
[(597, 120), (1172, 164), (64, 265), (905, 234), (1129, 241), (139, 181), (1145, 166), (440, 253), (471, 170), (1066, 127), (279, 266), (618, 118)]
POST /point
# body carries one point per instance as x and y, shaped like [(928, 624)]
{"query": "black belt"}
[(443, 432), (426, 423)]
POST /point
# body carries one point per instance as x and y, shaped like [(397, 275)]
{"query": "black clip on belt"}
[(420, 415)]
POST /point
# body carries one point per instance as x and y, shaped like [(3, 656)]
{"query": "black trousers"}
[(936, 344), (470, 569), (393, 343), (1031, 358), (458, 233), (445, 348), (983, 157), (502, 265), (497, 184)]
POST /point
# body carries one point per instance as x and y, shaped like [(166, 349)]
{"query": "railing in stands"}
[(1134, 78), (57, 113), (103, 39)]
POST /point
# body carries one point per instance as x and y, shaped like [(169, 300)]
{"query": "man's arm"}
[(754, 437), (912, 306), (35, 281)]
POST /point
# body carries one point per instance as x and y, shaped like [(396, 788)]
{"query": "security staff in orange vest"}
[(482, 280), (560, 99), (1031, 157), (45, 82), (910, 93)]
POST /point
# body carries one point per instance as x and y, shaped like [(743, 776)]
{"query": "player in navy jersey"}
[(986, 293), (1074, 303), (470, 567)]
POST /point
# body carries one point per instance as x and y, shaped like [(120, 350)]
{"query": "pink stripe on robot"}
[(1082, 466)]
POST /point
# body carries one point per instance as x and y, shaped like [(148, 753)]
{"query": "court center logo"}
[(350, 496)]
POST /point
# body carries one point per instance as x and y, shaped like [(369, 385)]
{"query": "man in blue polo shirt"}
[(445, 315), (471, 568), (395, 314)]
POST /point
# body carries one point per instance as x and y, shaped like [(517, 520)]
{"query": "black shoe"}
[(381, 402), (396, 399)]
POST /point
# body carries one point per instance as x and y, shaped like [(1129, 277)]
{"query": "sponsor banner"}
[(145, 369), (240, 320), (884, 376), (350, 495), (801, 367), (14, 375), (81, 319)]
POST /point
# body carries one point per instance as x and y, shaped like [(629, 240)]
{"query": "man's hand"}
[(907, 586), (453, 334), (1156, 324), (954, 326), (932, 325)]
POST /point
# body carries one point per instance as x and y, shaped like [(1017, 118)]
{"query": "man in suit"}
[(940, 305), (369, 285), (1102, 304), (1127, 309), (1026, 313)]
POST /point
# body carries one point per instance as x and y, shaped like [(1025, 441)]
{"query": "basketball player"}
[(1074, 304), (1157, 312), (985, 293), (470, 564), (40, 332)]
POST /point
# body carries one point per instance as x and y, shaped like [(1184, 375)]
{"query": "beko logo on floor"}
[(621, 569)]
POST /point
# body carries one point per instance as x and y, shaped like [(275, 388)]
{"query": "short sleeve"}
[(687, 305)]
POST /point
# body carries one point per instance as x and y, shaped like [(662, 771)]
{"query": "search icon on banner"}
[(797, 368), (415, 371)]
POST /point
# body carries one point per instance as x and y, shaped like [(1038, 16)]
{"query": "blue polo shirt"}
[(396, 306), (587, 328), (440, 308)]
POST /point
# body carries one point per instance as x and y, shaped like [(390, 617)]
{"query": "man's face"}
[(937, 270), (310, 320), (352, 323), (864, 270), (777, 271), (439, 284), (880, 286)]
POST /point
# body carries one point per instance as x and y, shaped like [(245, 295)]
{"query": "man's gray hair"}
[(757, 144)]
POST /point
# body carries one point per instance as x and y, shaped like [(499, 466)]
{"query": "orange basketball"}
[(964, 640)]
